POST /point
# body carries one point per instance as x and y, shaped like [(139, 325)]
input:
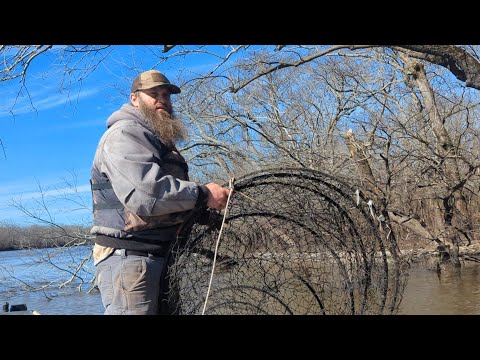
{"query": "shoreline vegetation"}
[(14, 237), (435, 257)]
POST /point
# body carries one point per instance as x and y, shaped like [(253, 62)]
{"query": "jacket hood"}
[(126, 112)]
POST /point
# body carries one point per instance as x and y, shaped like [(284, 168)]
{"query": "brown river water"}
[(450, 292)]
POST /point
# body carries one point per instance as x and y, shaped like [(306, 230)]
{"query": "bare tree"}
[(58, 240), (415, 156), (75, 64), (415, 131), (426, 151)]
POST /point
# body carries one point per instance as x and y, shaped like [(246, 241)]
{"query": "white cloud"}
[(56, 192), (11, 193), (66, 205), (41, 100), (61, 216)]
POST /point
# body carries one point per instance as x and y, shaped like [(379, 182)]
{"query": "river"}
[(453, 292)]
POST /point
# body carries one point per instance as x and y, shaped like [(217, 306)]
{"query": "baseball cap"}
[(151, 78)]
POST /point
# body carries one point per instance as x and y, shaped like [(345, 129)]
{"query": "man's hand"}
[(217, 196)]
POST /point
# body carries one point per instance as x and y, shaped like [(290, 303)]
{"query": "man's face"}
[(158, 113), (157, 98)]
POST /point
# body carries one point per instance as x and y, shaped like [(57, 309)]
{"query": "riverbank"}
[(430, 256), (15, 237)]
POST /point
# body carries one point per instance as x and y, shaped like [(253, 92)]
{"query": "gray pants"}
[(134, 285)]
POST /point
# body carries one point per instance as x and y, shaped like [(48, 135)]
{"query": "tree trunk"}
[(454, 202)]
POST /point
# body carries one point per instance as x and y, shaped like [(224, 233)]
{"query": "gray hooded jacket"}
[(140, 189)]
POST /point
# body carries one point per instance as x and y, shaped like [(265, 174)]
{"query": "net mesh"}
[(296, 241)]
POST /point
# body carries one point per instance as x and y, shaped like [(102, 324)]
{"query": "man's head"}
[(150, 93), (153, 89), (152, 78)]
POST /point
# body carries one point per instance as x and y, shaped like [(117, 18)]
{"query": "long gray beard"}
[(166, 126)]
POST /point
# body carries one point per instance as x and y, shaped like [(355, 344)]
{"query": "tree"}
[(413, 116)]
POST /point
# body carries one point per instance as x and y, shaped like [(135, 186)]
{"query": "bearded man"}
[(141, 196)]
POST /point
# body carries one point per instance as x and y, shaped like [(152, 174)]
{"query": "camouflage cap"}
[(151, 78)]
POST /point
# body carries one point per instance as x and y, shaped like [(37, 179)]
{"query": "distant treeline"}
[(14, 237)]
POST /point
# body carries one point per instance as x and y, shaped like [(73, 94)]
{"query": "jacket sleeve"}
[(133, 165)]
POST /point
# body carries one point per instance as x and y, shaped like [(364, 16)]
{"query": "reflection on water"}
[(454, 292)]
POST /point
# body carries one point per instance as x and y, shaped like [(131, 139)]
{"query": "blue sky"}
[(51, 147)]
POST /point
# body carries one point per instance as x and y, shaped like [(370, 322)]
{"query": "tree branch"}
[(463, 65), (305, 60), (413, 225)]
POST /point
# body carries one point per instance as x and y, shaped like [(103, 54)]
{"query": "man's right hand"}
[(217, 196)]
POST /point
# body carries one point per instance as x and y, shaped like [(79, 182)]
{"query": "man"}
[(141, 196)]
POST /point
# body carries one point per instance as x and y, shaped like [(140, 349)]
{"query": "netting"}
[(296, 241)]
